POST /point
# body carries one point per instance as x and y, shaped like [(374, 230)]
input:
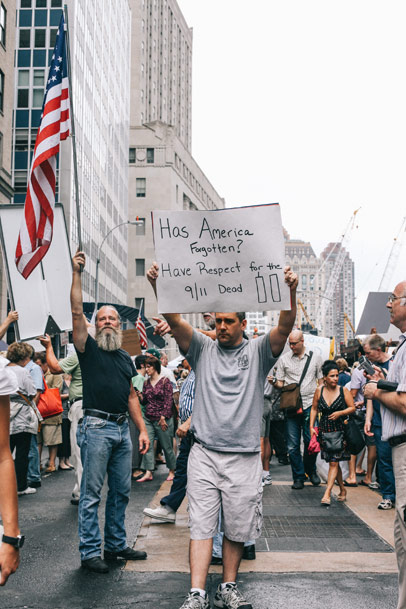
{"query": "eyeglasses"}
[(392, 298), (296, 343)]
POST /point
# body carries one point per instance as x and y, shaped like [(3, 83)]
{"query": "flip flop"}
[(350, 483), (363, 473), (362, 483)]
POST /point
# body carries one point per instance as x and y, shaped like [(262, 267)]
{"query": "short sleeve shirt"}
[(70, 365), (106, 378), (36, 375), (290, 368), (228, 406), (358, 380)]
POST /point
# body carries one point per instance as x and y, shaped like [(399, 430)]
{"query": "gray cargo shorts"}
[(231, 482)]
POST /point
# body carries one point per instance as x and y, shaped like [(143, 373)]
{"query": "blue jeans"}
[(34, 472), (105, 447), (178, 488), (217, 550), (384, 457), (294, 427)]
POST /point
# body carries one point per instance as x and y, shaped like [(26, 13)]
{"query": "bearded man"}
[(103, 434)]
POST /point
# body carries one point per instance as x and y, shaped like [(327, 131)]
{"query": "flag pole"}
[(72, 120)]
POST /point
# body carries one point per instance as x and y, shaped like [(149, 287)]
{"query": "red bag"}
[(50, 403), (314, 445)]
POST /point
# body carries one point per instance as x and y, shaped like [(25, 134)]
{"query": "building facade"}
[(314, 273), (162, 175), (161, 67), (7, 44), (99, 33)]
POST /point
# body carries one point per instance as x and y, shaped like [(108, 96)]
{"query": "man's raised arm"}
[(10, 319), (52, 361), (182, 331), (76, 301), (279, 335)]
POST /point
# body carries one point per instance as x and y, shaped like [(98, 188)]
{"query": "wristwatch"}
[(16, 542)]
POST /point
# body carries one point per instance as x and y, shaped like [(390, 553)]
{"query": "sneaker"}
[(163, 513), (374, 486), (266, 480), (297, 485), (125, 554), (230, 598), (314, 479), (34, 483), (386, 504), (28, 491), (195, 601)]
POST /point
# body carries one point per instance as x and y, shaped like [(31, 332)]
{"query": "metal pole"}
[(96, 280), (72, 119)]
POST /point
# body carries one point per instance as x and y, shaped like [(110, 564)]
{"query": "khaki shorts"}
[(266, 419), (50, 435), (231, 482)]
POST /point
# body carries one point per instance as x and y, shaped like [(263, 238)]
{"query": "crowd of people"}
[(235, 404)]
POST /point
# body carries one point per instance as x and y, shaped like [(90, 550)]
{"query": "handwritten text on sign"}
[(226, 260)]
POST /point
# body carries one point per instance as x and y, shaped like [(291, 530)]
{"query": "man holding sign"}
[(225, 469)]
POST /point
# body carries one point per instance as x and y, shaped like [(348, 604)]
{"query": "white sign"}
[(320, 345), (47, 290), (226, 260)]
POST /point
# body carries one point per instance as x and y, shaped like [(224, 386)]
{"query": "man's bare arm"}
[(76, 301), (136, 416), (279, 335), (182, 331), (393, 400), (10, 319), (52, 362)]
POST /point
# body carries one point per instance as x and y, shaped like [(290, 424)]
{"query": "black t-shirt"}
[(106, 377)]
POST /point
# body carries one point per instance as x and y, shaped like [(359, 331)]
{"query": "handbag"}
[(314, 445), (50, 403), (353, 436), (291, 400), (333, 441)]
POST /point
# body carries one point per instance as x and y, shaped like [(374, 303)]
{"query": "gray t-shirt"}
[(229, 398)]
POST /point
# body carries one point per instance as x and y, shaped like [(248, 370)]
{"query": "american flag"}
[(36, 227), (142, 333)]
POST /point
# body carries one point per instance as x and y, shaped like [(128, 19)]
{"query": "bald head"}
[(296, 342), (397, 306)]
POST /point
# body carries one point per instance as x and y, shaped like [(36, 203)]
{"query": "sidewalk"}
[(299, 535)]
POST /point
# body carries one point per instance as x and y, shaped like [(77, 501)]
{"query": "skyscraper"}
[(100, 51)]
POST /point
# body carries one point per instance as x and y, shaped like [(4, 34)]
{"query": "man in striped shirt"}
[(393, 413)]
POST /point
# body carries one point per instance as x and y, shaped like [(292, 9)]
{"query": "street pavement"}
[(303, 560)]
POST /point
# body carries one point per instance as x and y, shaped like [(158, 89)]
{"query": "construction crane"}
[(327, 297), (393, 259), (348, 321), (302, 308)]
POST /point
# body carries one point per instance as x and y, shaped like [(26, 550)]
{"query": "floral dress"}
[(326, 425)]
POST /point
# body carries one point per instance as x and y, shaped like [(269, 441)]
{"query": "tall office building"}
[(100, 51), (162, 174), (344, 297), (7, 41), (314, 273)]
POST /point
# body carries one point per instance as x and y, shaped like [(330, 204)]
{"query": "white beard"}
[(109, 341)]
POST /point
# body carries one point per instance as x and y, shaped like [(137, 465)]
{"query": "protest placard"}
[(225, 260)]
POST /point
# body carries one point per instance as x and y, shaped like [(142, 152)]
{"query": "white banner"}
[(226, 260)]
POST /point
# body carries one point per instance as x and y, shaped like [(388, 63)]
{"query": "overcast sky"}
[(304, 103)]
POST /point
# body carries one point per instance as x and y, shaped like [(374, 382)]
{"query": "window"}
[(25, 3), (22, 98), (37, 98), (138, 302), (131, 156), (41, 3), (23, 78), (140, 187), (1, 149), (39, 78), (3, 18), (25, 39), (52, 37), (1, 90), (140, 267), (56, 3), (150, 155), (39, 39), (304, 282), (140, 228)]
